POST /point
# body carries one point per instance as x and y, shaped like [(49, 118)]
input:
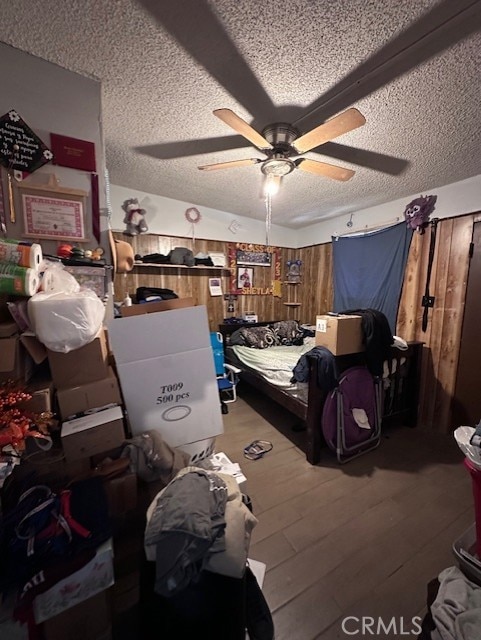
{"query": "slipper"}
[(257, 449)]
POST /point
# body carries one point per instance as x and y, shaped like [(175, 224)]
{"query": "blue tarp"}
[(369, 270)]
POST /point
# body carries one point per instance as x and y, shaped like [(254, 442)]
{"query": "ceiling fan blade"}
[(229, 165), (184, 148), (238, 124), (363, 158), (325, 169), (344, 122)]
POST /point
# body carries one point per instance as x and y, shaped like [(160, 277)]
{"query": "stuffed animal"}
[(134, 217), (418, 211)]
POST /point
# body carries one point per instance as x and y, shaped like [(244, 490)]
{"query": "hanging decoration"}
[(3, 224), (20, 147), (20, 150), (254, 255), (428, 300), (418, 211), (193, 216)]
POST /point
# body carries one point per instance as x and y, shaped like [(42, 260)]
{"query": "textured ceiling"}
[(412, 69)]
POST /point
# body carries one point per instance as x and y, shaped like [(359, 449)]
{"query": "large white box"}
[(166, 370)]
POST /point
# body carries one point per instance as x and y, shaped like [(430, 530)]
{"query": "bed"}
[(306, 400)]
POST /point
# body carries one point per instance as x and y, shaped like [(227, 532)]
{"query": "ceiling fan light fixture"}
[(272, 185), (277, 167)]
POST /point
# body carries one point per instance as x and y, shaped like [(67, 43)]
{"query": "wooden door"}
[(466, 404)]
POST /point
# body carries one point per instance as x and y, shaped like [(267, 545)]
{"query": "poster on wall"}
[(215, 286), (245, 278), (243, 259), (253, 258)]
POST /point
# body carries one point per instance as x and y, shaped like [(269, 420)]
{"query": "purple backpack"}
[(351, 404)]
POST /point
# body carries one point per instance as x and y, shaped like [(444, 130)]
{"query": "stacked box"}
[(340, 334), (80, 366), (82, 397), (92, 434)]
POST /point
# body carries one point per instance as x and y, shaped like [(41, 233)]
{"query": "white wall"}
[(453, 200), (53, 100), (165, 216)]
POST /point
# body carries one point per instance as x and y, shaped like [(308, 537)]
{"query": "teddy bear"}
[(134, 217)]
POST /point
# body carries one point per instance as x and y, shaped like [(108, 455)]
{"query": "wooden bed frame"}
[(400, 402)]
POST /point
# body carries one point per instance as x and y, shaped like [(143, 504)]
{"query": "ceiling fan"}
[(281, 141)]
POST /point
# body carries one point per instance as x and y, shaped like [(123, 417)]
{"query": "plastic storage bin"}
[(475, 474), (199, 450), (464, 549)]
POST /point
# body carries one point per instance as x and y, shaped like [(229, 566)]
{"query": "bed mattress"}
[(275, 364)]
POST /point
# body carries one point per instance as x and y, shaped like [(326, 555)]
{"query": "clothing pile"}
[(455, 612), (199, 521)]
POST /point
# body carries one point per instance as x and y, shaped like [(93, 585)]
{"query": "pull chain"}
[(268, 216)]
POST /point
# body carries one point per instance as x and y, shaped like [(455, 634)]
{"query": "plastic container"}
[(475, 473), (218, 351), (199, 450), (469, 561)]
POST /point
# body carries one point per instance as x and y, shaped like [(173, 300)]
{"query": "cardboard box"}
[(8, 328), (121, 494), (86, 619), (125, 593), (79, 587), (166, 371), (18, 357), (154, 307), (51, 468), (91, 434), (41, 391), (340, 334), (80, 366), (89, 396)]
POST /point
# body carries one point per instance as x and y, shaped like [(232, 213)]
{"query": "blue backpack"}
[(351, 414)]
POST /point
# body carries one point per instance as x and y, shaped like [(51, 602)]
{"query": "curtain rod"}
[(379, 225)]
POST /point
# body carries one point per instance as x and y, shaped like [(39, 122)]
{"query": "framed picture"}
[(53, 217), (245, 278), (53, 213), (253, 258)]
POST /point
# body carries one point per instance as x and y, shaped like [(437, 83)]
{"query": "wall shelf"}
[(199, 267), (292, 304)]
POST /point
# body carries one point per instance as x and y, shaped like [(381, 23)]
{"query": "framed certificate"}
[(53, 213)]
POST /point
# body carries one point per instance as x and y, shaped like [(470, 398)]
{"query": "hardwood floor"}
[(360, 539)]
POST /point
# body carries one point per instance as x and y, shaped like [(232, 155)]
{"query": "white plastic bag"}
[(463, 436), (66, 321), (56, 280)]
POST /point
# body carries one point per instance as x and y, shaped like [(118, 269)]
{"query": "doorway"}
[(466, 404)]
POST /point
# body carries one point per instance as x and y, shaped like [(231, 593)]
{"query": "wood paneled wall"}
[(314, 293), (443, 334)]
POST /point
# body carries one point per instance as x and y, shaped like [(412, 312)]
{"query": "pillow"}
[(288, 332), (259, 337), (236, 338)]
